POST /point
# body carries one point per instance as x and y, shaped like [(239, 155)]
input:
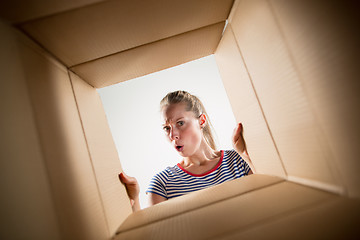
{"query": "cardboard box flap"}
[(199, 199), (238, 213), (109, 27), (151, 57), (18, 11)]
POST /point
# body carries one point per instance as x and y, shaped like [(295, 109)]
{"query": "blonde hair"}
[(194, 105)]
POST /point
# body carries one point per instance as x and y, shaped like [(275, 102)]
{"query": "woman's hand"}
[(133, 190), (238, 141), (240, 145)]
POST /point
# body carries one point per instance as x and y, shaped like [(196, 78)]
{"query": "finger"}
[(127, 179), (121, 177), (237, 132), (124, 178), (241, 130)]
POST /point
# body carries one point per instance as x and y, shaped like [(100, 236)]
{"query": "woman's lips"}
[(179, 148)]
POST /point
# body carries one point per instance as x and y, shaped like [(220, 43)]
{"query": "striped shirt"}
[(176, 181)]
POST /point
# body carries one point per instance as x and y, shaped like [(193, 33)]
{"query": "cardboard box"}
[(290, 69)]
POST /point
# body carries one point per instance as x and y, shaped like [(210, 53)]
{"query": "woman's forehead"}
[(174, 112)]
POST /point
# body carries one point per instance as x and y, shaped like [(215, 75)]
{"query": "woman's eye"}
[(166, 129), (180, 123)]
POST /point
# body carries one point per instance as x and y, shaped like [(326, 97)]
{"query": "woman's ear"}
[(202, 120)]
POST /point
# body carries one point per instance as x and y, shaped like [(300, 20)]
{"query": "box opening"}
[(133, 114)]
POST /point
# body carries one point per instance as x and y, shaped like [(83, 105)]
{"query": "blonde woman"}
[(188, 129)]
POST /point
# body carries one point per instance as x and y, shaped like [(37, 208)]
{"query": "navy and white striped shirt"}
[(176, 181)]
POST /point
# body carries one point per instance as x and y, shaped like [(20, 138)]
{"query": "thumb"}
[(237, 132), (126, 179)]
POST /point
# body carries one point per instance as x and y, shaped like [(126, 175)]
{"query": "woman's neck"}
[(203, 156)]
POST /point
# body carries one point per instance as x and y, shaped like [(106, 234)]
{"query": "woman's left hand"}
[(240, 146), (239, 142)]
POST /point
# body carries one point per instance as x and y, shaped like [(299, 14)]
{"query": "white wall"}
[(132, 109)]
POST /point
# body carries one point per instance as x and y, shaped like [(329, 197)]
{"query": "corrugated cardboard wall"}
[(27, 207), (75, 193), (246, 108), (299, 58), (103, 154), (50, 188)]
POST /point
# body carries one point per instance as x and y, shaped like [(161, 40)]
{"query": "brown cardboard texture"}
[(290, 69)]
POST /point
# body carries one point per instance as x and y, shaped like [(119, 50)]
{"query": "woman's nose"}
[(174, 134)]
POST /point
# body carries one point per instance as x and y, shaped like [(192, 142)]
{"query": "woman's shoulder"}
[(231, 154), (167, 172), (229, 151)]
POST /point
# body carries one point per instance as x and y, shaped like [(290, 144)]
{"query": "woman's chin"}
[(183, 154)]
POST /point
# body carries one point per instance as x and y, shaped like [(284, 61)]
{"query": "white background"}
[(133, 112)]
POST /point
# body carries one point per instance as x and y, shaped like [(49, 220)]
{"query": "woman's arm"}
[(240, 146), (155, 199)]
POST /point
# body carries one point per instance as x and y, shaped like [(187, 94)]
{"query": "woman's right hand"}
[(132, 188)]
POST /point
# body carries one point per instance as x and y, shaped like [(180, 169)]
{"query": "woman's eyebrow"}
[(169, 120)]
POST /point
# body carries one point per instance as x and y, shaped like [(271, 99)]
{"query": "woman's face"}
[(182, 129)]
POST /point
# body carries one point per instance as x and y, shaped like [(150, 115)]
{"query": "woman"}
[(188, 129)]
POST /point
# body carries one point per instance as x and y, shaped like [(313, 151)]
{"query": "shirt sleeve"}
[(158, 185), (244, 167)]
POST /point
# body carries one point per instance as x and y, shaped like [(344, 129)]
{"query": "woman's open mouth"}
[(179, 148)]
